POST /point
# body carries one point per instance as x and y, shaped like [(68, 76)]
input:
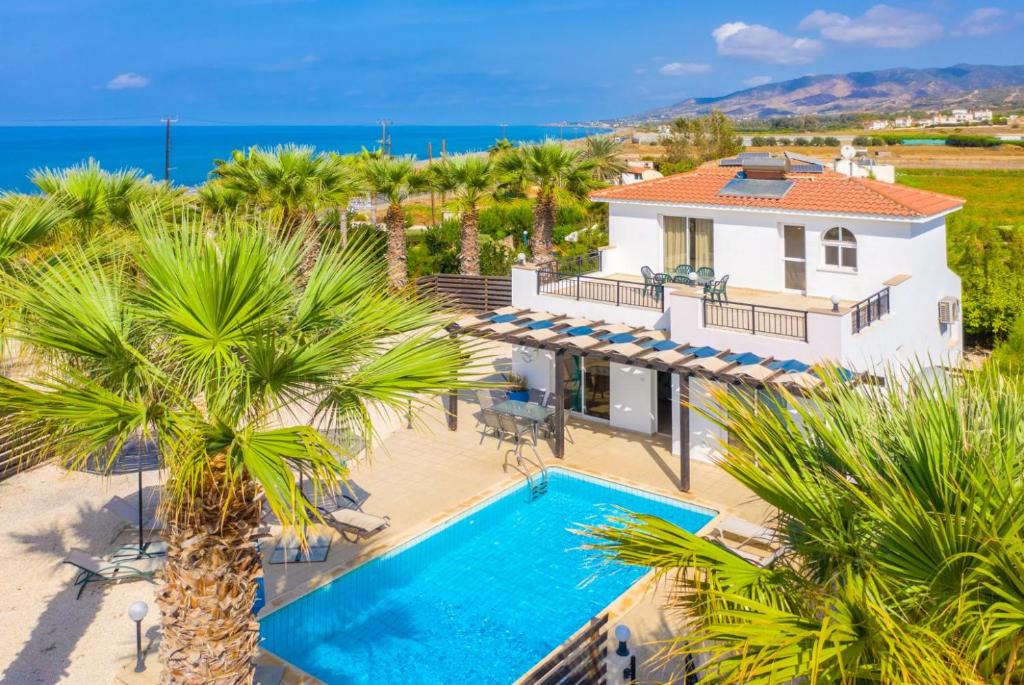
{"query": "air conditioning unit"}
[(949, 310)]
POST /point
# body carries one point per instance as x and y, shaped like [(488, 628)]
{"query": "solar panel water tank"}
[(769, 168)]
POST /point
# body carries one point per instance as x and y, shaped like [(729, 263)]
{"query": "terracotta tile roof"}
[(825, 192)]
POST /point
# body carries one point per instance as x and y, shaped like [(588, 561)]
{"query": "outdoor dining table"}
[(531, 411)]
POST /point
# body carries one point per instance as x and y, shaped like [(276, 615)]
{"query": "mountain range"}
[(885, 90)]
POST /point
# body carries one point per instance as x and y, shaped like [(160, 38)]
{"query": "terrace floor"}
[(419, 477)]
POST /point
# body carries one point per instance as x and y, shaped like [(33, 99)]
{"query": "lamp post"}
[(835, 303), (137, 612), (622, 635)]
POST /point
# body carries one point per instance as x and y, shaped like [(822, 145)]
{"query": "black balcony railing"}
[(594, 289), (575, 266), (756, 319), (870, 310)]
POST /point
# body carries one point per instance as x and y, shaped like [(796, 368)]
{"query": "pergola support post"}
[(684, 432), (559, 448)]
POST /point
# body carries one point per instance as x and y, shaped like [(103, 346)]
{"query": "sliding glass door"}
[(588, 386), (688, 241)]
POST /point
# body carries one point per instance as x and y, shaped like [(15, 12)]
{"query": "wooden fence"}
[(579, 661), (17, 454), (472, 293)]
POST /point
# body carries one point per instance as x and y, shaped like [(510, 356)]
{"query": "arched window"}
[(840, 248)]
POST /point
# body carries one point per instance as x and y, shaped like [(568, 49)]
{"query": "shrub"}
[(831, 141)]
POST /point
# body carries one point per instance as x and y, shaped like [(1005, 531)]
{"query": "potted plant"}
[(518, 389)]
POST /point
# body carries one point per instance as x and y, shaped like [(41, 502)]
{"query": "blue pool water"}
[(479, 601)]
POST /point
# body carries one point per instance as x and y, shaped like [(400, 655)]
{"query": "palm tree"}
[(501, 146), (96, 199), (900, 535), (553, 171), (605, 152), (471, 180), (293, 180), (396, 178), (26, 223), (198, 340)]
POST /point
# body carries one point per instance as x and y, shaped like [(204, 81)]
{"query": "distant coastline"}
[(195, 147)]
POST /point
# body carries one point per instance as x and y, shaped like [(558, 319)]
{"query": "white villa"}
[(809, 266)]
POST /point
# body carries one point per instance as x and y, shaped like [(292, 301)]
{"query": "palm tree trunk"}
[(541, 241), (470, 255), (209, 635), (397, 268)]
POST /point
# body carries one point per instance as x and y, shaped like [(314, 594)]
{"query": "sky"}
[(453, 61)]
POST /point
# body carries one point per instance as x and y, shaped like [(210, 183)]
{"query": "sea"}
[(193, 148)]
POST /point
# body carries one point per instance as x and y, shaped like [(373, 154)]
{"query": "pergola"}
[(638, 347)]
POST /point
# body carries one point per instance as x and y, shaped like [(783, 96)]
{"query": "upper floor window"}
[(840, 248)]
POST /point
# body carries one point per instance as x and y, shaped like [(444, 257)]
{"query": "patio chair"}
[(705, 275), (681, 271), (491, 422), (515, 427), (654, 284), (128, 513), (549, 425), (486, 401), (94, 570), (716, 289)]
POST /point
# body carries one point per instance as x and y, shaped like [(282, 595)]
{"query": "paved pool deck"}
[(418, 477)]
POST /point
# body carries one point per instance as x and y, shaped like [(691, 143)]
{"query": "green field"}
[(986, 243)]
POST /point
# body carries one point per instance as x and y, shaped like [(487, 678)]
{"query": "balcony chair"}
[(705, 275), (654, 284), (681, 273), (715, 290)]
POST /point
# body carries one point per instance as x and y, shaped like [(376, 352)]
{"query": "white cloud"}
[(310, 59), (985, 21), (753, 41), (882, 26), (757, 81), (684, 68), (127, 80)]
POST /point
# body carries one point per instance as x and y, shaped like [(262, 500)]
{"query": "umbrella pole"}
[(141, 540)]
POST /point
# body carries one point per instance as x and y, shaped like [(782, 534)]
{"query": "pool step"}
[(537, 480)]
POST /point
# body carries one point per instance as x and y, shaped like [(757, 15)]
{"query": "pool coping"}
[(617, 608)]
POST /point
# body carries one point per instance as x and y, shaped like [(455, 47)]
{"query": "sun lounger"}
[(743, 531), (129, 514), (733, 533), (356, 523), (94, 570)]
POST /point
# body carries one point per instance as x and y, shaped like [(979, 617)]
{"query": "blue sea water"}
[(478, 601), (193, 148)]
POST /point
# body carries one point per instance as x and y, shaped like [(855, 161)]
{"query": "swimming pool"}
[(477, 600)]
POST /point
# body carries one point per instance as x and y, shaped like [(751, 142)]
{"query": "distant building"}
[(639, 170), (879, 124)]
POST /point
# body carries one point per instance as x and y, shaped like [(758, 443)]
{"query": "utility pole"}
[(167, 148), (384, 139), (430, 163), (444, 154)]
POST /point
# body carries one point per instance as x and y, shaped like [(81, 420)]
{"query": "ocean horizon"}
[(193, 148)]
